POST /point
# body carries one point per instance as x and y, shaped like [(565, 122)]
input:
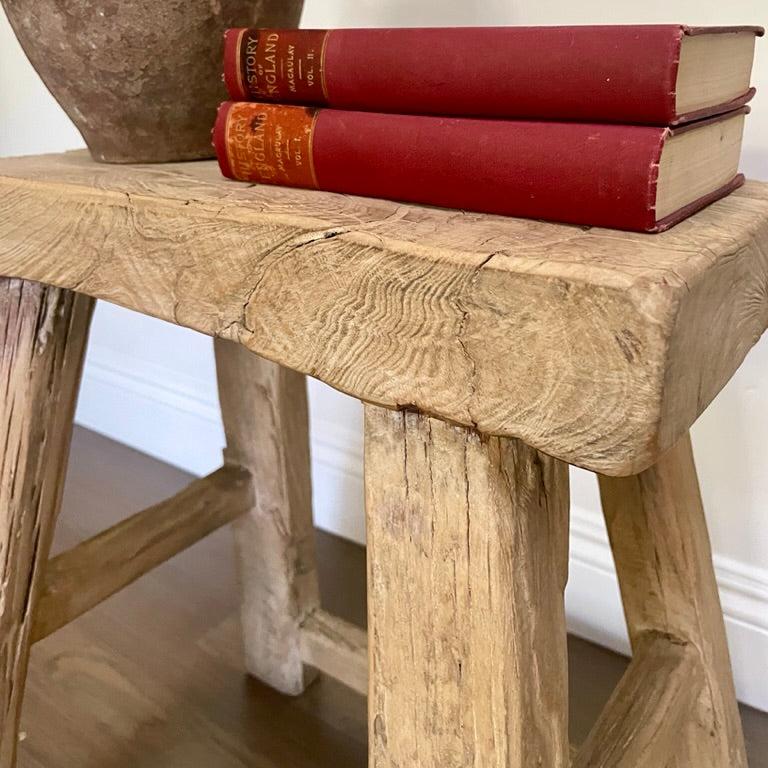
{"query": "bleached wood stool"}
[(490, 352)]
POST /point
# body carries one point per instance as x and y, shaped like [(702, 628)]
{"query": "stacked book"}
[(631, 127)]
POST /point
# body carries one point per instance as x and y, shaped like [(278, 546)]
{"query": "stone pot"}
[(141, 79)]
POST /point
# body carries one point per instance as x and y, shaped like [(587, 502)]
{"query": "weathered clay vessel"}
[(141, 79)]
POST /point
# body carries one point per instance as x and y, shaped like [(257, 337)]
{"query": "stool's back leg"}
[(663, 559), (468, 559), (42, 342), (264, 409)]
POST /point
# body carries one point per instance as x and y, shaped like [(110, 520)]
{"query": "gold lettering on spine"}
[(284, 65), (269, 69), (261, 65), (290, 71), (251, 61), (271, 143)]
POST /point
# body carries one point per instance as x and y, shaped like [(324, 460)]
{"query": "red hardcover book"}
[(656, 75), (623, 176)]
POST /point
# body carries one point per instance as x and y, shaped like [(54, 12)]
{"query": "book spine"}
[(279, 65), (587, 174), (614, 74), (266, 143)]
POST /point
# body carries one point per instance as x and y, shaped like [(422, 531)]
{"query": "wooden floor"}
[(153, 677)]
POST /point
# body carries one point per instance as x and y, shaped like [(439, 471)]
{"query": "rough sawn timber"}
[(266, 422), (337, 648), (467, 564), (660, 544), (41, 354), (82, 577), (595, 346), (655, 699)]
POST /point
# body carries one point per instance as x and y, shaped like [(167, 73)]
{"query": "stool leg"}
[(467, 563), (663, 559), (264, 409), (43, 338)]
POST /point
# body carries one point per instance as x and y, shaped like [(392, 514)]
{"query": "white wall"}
[(152, 385)]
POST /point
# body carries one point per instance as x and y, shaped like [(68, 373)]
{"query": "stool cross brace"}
[(465, 660)]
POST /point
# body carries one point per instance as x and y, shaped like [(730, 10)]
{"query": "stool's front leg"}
[(264, 409), (663, 559), (468, 559), (41, 352)]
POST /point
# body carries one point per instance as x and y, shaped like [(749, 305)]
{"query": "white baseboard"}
[(743, 595), (133, 402), (144, 406)]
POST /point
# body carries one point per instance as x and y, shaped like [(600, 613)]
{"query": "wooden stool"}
[(490, 352)]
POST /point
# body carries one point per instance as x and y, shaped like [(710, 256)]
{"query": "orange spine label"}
[(282, 65), (271, 143)]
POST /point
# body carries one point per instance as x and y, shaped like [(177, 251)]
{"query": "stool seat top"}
[(596, 346)]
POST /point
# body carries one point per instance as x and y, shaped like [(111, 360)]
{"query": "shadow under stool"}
[(490, 352)]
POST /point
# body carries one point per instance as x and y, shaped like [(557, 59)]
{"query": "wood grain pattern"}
[(153, 677), (660, 544), (491, 322), (467, 563), (337, 648), (41, 353), (264, 410), (77, 580), (641, 723)]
